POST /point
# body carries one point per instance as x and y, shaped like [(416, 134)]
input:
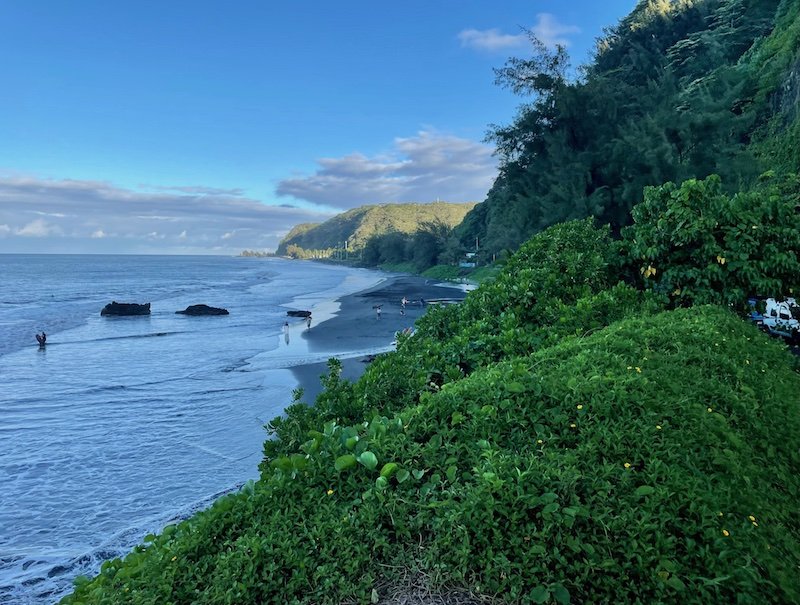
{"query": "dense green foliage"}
[(679, 89), (698, 245), (583, 428), (347, 234), (558, 437)]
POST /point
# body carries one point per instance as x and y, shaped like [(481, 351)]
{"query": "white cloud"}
[(38, 228), (491, 40), (550, 32), (97, 217), (421, 168), (547, 29)]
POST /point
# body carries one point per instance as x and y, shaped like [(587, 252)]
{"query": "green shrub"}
[(698, 245)]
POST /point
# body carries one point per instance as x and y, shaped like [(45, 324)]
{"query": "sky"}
[(200, 127)]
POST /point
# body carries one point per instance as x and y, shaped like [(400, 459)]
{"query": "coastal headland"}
[(357, 326)]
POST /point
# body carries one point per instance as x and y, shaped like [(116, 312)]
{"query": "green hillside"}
[(678, 89), (358, 225), (560, 437), (597, 424)]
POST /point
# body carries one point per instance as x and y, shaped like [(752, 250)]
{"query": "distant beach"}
[(356, 326)]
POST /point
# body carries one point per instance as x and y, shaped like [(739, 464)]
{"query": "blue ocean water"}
[(121, 425)]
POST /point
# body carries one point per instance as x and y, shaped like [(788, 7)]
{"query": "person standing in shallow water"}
[(41, 338), (378, 311)]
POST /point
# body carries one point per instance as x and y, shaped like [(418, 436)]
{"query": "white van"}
[(780, 317)]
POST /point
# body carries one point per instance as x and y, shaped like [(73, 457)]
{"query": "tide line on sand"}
[(357, 326)]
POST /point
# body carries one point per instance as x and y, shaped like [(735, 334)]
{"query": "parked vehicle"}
[(777, 317)]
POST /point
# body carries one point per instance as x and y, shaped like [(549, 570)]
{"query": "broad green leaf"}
[(344, 462), (561, 594), (389, 469), (402, 475), (540, 594), (550, 508), (676, 583), (369, 460), (644, 490)]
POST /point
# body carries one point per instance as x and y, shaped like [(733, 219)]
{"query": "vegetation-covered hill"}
[(597, 424), (678, 89), (355, 227), (562, 436)]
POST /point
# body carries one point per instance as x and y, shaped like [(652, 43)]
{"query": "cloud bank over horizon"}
[(427, 166), (44, 215), (72, 216)]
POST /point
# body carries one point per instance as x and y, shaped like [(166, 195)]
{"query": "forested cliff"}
[(350, 231), (678, 89)]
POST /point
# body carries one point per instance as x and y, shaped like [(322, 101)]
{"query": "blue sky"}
[(191, 127)]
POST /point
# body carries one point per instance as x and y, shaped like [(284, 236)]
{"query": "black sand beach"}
[(356, 325)]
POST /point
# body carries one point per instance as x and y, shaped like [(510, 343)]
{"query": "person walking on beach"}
[(308, 322), (286, 331), (378, 311), (403, 306)]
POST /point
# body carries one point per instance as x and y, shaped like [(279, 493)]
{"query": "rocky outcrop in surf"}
[(202, 310), (115, 308)]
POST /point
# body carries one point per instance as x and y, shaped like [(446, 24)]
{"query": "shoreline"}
[(355, 326)]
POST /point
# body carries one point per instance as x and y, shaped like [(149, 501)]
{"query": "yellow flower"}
[(720, 514), (638, 370), (579, 406), (627, 465), (658, 427), (747, 361), (174, 558), (573, 425), (726, 533), (330, 492), (755, 524), (539, 441), (721, 260), (676, 292), (709, 410), (630, 367), (752, 518), (651, 270)]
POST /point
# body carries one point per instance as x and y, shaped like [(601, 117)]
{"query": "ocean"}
[(121, 425)]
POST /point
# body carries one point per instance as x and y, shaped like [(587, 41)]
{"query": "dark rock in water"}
[(115, 308), (298, 313), (202, 310)]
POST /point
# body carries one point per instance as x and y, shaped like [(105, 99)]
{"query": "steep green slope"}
[(358, 225), (679, 89), (556, 438)]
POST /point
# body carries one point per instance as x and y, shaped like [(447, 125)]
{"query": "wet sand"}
[(356, 326)]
